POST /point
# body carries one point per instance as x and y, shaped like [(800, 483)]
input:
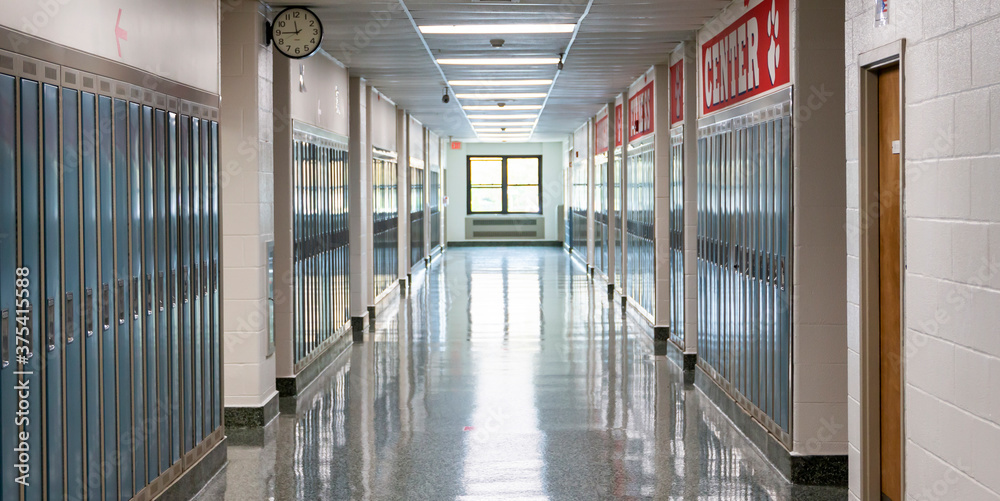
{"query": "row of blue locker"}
[(385, 207), (109, 261)]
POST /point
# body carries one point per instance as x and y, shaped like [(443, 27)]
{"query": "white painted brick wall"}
[(952, 242)]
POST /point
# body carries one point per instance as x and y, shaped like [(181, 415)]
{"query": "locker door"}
[(216, 270), (122, 218), (185, 319), (107, 298), (148, 311), (164, 410), (8, 263), (52, 326), (174, 317), (196, 278), (31, 241), (73, 324), (784, 249), (136, 331), (206, 320), (91, 294)]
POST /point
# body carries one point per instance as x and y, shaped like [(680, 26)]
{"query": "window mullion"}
[(503, 181)]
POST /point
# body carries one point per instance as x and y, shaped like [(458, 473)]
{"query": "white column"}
[(360, 187), (690, 197)]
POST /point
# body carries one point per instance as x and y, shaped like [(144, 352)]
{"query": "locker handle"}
[(215, 275), (159, 287), (185, 278), (149, 294), (4, 334), (106, 309), (121, 302), (204, 278), (135, 298), (782, 273), (88, 316), (50, 330), (68, 318), (173, 287)]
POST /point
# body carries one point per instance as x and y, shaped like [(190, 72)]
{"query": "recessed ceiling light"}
[(508, 95), (527, 129), (498, 83), (496, 29), (500, 61), (503, 124), (509, 107), (502, 117)]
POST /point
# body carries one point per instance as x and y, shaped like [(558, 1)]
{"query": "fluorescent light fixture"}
[(496, 29), (498, 83), (503, 117), (500, 61), (509, 95), (509, 107), (526, 129), (503, 124)]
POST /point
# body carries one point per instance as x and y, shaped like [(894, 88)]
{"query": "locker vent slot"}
[(29, 68), (121, 90), (136, 94), (7, 63), (88, 82), (106, 87), (70, 77), (51, 73)]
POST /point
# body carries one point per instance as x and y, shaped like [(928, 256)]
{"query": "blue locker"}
[(108, 316), (206, 319), (123, 320), (185, 318), (8, 262), (91, 294), (195, 263), (73, 294), (31, 246), (150, 294), (174, 316), (162, 291), (137, 441), (52, 316), (216, 307)]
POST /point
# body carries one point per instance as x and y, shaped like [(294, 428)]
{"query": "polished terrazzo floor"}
[(504, 374)]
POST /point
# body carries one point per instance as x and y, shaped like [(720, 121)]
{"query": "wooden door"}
[(890, 362)]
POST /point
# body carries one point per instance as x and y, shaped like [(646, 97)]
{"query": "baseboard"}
[(506, 243), (251, 417), (802, 470), (194, 479), (661, 333), (292, 386)]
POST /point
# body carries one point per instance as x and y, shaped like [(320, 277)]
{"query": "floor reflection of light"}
[(503, 456)]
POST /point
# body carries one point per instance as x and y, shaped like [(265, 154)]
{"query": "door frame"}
[(869, 64)]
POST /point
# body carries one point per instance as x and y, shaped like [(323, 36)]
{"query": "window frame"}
[(504, 211)]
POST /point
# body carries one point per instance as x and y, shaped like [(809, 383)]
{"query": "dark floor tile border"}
[(197, 476), (253, 437), (291, 386), (803, 470), (661, 333), (686, 361), (519, 243), (251, 417)]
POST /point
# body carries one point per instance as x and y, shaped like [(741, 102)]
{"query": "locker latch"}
[(204, 278), (173, 287), (50, 321), (135, 298), (120, 300), (4, 333), (782, 273), (106, 306), (159, 288), (185, 278), (68, 318), (88, 316), (149, 294)]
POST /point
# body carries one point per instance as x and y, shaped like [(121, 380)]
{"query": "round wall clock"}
[(296, 32)]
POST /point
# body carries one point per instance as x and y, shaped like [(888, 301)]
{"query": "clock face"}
[(296, 32)]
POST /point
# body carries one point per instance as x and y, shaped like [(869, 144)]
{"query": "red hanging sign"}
[(677, 93), (748, 58), (601, 141), (618, 125), (640, 113)]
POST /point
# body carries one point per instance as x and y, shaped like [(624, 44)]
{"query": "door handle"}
[(68, 318), (149, 294), (120, 300), (106, 309), (4, 335), (88, 315), (50, 323)]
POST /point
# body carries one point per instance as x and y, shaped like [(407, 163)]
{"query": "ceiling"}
[(615, 43)]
